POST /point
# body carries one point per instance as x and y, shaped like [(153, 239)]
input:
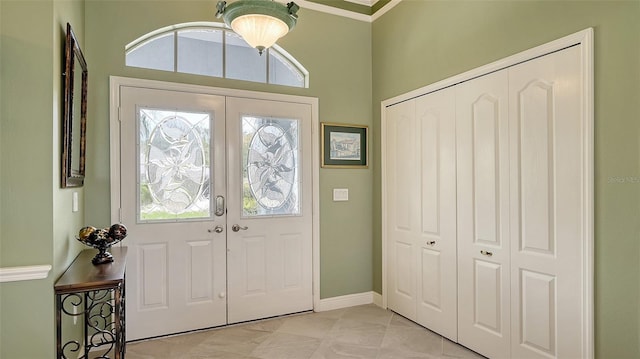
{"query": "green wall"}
[(36, 222), (421, 42), (342, 84), (414, 44)]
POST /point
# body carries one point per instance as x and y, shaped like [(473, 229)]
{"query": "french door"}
[(216, 194)]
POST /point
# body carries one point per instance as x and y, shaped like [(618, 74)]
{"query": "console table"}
[(95, 294)]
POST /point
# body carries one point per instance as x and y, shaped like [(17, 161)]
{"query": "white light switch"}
[(74, 204), (340, 194)]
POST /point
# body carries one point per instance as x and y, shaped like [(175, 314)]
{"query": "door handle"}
[(431, 243), (217, 229), (486, 253), (219, 206), (237, 227)]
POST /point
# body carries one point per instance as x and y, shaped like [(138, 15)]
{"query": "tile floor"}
[(358, 332)]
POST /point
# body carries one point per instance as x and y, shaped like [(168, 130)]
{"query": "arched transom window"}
[(210, 49)]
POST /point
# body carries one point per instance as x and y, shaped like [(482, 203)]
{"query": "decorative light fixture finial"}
[(260, 22)]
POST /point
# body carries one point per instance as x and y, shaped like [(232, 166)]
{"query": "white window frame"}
[(151, 36)]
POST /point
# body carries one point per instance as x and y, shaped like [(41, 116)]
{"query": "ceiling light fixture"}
[(260, 22)]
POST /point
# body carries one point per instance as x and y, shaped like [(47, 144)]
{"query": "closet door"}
[(421, 211), (403, 207), (548, 179), (483, 214), (436, 191)]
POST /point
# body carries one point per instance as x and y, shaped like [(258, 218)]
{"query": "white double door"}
[(216, 194)]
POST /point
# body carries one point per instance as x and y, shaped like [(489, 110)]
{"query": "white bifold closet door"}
[(482, 137), (520, 152), (547, 182), (486, 204), (421, 202)]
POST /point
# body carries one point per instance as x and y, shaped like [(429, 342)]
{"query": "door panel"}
[(172, 165), (422, 208), (436, 241), (547, 183), (483, 214), (270, 203), (402, 207), (488, 304), (538, 329)]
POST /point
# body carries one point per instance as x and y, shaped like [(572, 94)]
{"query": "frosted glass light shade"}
[(260, 22), (259, 31)]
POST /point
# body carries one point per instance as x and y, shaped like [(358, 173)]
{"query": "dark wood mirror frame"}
[(74, 132)]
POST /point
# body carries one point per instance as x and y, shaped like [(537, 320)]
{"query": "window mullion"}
[(175, 51), (224, 54), (267, 65)]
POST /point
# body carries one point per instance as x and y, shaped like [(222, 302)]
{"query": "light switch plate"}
[(340, 194), (74, 204)]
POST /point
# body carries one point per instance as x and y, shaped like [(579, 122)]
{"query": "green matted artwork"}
[(344, 146)]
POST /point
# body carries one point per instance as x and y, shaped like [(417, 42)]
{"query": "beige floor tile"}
[(309, 326), (416, 340), (237, 340), (363, 332), (286, 346), (454, 350), (358, 332), (337, 350), (368, 313)]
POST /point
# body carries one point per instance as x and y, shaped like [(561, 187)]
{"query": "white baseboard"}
[(349, 300), (377, 300)]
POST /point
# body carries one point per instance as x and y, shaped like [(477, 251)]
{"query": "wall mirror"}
[(74, 123)]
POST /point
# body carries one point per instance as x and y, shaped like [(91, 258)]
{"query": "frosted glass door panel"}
[(270, 169), (174, 171)]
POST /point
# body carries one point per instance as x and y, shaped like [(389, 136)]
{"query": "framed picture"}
[(344, 146), (74, 123)]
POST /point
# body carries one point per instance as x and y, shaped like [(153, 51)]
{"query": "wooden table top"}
[(82, 275)]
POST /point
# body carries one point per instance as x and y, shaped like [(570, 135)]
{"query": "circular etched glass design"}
[(176, 171), (271, 166)]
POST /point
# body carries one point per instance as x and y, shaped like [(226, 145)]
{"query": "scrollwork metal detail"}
[(103, 325)]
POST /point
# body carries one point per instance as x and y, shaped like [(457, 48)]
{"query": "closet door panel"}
[(547, 183), (403, 206), (436, 255), (482, 142)]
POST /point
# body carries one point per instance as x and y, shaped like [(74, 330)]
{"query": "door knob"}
[(237, 227), (217, 229), (431, 243)]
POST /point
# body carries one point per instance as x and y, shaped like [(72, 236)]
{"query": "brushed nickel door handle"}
[(237, 227)]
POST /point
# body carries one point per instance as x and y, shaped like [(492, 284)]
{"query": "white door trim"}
[(116, 82), (585, 39)]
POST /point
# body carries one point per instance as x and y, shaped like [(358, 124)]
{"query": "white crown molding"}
[(305, 4), (363, 2), (13, 274), (332, 10), (383, 10)]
